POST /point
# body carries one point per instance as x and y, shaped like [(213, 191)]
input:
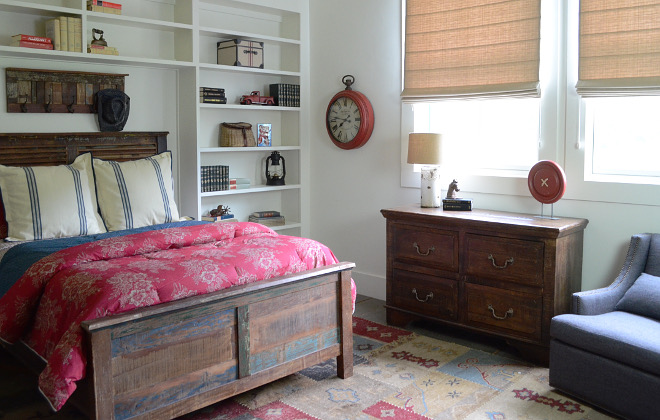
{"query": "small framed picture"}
[(263, 135)]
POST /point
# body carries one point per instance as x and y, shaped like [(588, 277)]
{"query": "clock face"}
[(344, 119)]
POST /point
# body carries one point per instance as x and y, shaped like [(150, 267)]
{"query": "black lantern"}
[(275, 169)]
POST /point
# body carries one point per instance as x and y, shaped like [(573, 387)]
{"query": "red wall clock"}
[(349, 118), (546, 182)]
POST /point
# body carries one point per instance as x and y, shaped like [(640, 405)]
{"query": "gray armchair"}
[(607, 352)]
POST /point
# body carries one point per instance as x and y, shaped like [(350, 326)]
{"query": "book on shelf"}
[(239, 187), (104, 3), (203, 90), (212, 100), (31, 44), (214, 178), (64, 33), (102, 49), (268, 221), (218, 218), (104, 7), (457, 204), (32, 38), (265, 213), (53, 32), (285, 94), (70, 33), (239, 181), (75, 27)]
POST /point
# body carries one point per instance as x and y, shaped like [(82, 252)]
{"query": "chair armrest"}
[(599, 301)]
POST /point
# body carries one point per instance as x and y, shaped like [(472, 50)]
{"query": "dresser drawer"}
[(505, 259), (431, 296), (512, 313), (428, 247)]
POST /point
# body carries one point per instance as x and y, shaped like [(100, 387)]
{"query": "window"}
[(484, 135)]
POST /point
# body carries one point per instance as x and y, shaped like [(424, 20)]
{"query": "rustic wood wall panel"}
[(56, 91)]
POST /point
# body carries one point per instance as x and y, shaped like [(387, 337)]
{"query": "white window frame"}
[(562, 124)]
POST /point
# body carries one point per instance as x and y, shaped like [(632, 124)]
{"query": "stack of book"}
[(224, 218), (214, 178), (267, 218), (285, 94), (31, 41), (239, 183), (102, 49), (210, 95), (104, 7), (65, 33)]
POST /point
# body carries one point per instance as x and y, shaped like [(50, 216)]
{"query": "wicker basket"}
[(237, 135)]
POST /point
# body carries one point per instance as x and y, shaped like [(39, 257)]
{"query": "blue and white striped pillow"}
[(44, 202), (136, 193)]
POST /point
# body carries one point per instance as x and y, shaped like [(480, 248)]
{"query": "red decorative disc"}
[(547, 182)]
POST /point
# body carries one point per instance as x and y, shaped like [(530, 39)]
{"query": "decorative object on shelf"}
[(113, 108), (349, 118), (241, 53), (547, 183), (220, 211), (237, 135), (264, 134), (275, 169), (454, 203), (56, 91), (255, 98), (425, 149), (285, 94), (100, 40), (209, 95)]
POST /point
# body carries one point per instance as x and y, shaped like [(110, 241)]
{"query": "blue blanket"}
[(21, 257)]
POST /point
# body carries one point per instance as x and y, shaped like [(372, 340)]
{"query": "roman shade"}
[(619, 48), (471, 48)]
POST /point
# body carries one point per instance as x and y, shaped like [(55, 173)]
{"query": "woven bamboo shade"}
[(459, 48), (619, 47)]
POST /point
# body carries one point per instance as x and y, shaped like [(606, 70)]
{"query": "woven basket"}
[(237, 135)]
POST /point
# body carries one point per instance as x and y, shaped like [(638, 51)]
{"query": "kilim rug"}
[(398, 375)]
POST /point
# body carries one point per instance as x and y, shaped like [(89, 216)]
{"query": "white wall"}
[(349, 188), (152, 92)]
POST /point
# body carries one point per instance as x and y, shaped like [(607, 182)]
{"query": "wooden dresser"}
[(504, 274)]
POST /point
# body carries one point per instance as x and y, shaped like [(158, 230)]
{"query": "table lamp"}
[(424, 149)]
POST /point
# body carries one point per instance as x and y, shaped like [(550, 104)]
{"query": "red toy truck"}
[(256, 98)]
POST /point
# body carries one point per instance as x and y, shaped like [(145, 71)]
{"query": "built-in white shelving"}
[(182, 35)]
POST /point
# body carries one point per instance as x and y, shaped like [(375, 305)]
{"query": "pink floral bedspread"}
[(48, 303)]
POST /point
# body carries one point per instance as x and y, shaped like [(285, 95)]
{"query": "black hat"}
[(113, 106)]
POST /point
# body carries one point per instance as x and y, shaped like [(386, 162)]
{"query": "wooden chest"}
[(504, 274)]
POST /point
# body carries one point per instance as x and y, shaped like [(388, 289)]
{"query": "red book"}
[(31, 44), (104, 3), (32, 38)]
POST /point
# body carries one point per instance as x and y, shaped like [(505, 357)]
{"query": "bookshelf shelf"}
[(252, 190)]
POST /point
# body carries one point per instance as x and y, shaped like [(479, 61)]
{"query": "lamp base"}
[(430, 187)]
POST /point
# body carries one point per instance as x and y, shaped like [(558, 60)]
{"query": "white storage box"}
[(242, 53)]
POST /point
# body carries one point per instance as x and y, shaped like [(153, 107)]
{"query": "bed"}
[(169, 359)]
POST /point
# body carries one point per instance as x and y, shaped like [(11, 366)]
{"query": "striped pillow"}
[(44, 202), (136, 193)]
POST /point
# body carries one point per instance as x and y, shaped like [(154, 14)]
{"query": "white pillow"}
[(44, 202), (136, 193)]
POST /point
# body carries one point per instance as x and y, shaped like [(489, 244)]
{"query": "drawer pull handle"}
[(428, 297), (428, 251), (508, 313), (506, 263)]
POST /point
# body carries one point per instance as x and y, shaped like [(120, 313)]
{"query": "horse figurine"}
[(453, 187)]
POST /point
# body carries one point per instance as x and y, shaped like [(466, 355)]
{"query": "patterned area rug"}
[(397, 375)]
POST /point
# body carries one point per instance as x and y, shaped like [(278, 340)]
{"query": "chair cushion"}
[(621, 336), (643, 297)]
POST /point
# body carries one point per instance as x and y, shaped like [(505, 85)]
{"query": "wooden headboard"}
[(46, 149)]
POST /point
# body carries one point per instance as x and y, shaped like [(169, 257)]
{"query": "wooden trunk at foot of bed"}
[(168, 360)]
